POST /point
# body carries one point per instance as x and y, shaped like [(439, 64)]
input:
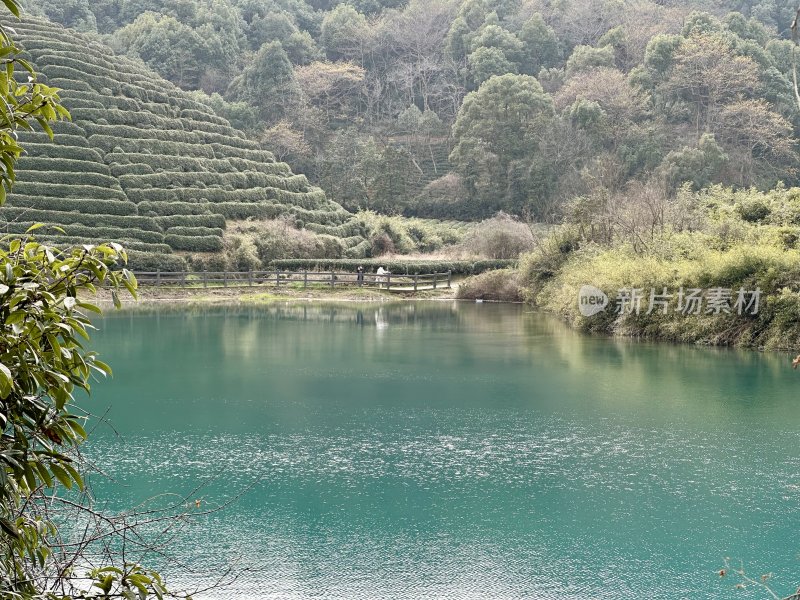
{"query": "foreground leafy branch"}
[(44, 323), (54, 543)]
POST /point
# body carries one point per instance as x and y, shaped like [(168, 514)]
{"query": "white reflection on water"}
[(552, 509)]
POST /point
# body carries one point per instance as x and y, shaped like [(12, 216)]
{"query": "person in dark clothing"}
[(360, 276)]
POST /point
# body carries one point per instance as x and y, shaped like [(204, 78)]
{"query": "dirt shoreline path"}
[(148, 296)]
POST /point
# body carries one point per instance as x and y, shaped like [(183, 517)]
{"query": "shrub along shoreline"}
[(394, 265), (717, 241)]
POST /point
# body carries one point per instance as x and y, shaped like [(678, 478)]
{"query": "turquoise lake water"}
[(454, 451)]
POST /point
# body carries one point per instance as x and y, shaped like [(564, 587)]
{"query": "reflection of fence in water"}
[(429, 313), (387, 281), (363, 315)]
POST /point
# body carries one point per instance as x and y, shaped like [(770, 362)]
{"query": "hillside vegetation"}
[(145, 164), (456, 109), (719, 242)]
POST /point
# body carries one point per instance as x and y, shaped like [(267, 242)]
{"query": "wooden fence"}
[(300, 279)]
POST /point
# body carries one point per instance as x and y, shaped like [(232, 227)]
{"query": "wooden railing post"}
[(305, 279), (158, 277), (434, 281), (205, 279), (249, 278), (416, 278), (332, 279), (388, 281), (449, 278), (224, 279)]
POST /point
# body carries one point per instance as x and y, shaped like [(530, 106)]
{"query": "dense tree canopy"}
[(639, 89), (497, 135)]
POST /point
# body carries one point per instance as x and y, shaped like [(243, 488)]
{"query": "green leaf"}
[(46, 126), (12, 6), (44, 474), (62, 476), (30, 477), (53, 340), (6, 379), (9, 527), (90, 307), (75, 475), (103, 367), (77, 428)]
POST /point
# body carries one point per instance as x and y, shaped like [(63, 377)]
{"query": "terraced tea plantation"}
[(144, 164)]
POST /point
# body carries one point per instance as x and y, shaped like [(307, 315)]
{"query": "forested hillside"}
[(145, 164), (378, 102)]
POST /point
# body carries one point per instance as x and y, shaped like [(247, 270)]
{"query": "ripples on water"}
[(485, 499)]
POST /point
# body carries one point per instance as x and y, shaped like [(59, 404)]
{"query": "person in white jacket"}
[(379, 279)]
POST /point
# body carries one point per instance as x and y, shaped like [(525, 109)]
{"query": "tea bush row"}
[(39, 45), (111, 143), (175, 208), (68, 128), (66, 152), (31, 188), (40, 137), (166, 222), (65, 165), (225, 151), (84, 205), (313, 199), (239, 181), (138, 120), (184, 230), (74, 58), (249, 210), (150, 261), (130, 169), (196, 115), (326, 217), (74, 103), (190, 163), (265, 210), (65, 218), (112, 233), (194, 243), (93, 67), (62, 241), (187, 137), (65, 84), (36, 188), (71, 178)]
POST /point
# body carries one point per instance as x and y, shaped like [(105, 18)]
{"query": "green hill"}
[(145, 164)]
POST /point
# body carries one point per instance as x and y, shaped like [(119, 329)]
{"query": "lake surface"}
[(454, 451)]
